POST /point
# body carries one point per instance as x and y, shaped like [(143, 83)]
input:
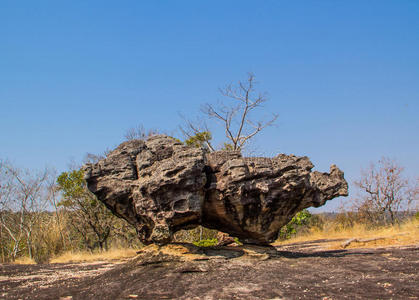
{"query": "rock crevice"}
[(161, 186)]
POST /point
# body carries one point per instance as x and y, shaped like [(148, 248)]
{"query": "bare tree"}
[(235, 118), (11, 215), (22, 197), (385, 191), (139, 133)]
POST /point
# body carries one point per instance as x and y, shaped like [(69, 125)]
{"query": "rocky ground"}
[(297, 271)]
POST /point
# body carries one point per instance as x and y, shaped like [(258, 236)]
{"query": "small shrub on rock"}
[(206, 243)]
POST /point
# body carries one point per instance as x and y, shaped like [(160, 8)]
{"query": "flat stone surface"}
[(296, 271)]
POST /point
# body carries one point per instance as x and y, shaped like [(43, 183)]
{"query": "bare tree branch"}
[(191, 129), (385, 190), (244, 93), (22, 198), (139, 133)]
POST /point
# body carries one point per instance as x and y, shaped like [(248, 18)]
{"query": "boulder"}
[(161, 186)]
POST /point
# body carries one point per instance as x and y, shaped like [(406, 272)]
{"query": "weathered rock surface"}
[(305, 270), (161, 186)]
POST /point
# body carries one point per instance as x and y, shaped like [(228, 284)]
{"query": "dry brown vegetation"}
[(85, 256), (43, 219), (364, 235)]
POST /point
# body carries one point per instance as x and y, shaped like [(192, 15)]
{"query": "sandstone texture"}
[(304, 270), (161, 186)]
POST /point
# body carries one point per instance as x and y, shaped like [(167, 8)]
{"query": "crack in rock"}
[(161, 186)]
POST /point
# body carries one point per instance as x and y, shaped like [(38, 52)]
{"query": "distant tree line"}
[(43, 215)]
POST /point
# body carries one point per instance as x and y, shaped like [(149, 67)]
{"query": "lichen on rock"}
[(161, 186)]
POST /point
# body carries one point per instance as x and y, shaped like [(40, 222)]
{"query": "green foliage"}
[(206, 243), (72, 185), (299, 220), (88, 216), (227, 147), (417, 215), (199, 139), (176, 139), (237, 241), (74, 189)]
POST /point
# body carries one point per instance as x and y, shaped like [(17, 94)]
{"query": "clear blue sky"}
[(342, 75)]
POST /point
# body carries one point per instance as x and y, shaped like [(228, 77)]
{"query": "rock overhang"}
[(161, 186)]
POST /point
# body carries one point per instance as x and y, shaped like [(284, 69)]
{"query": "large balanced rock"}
[(161, 186)]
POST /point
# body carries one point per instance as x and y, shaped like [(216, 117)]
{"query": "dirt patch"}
[(297, 271)]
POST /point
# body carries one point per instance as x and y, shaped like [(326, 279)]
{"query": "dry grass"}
[(396, 235), (24, 261), (113, 254)]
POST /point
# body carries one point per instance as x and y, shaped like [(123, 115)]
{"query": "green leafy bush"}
[(206, 243), (237, 241), (300, 220), (199, 139)]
